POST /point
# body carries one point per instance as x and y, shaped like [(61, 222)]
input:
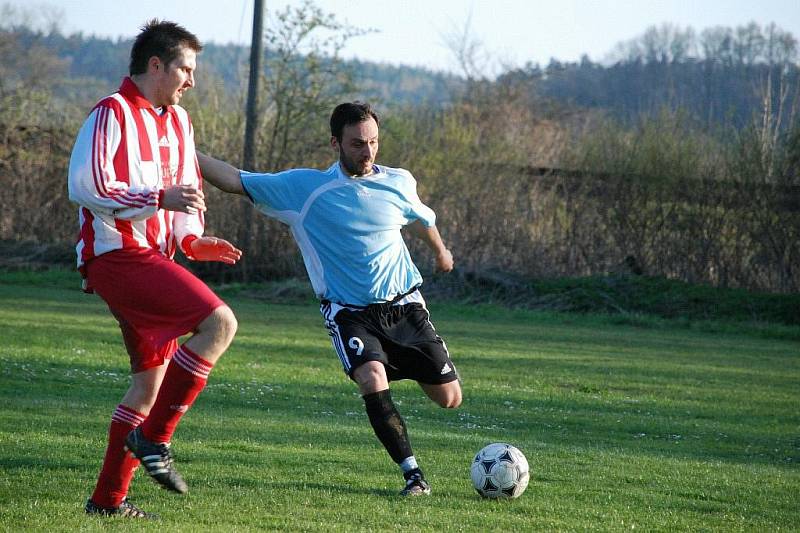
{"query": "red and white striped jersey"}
[(125, 154)]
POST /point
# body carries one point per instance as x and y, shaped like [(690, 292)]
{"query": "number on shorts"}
[(356, 344)]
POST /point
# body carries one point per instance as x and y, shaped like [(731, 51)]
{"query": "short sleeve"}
[(415, 209), (275, 192)]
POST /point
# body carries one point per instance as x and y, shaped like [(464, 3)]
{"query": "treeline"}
[(719, 77), (523, 185), (78, 68)]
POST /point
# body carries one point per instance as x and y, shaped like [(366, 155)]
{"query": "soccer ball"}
[(500, 471)]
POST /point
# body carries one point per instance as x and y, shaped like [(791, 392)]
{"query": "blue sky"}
[(413, 32)]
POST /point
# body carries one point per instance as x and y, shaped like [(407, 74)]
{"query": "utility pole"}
[(247, 235), (256, 51)]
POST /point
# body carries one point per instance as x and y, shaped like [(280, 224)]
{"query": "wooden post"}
[(256, 51)]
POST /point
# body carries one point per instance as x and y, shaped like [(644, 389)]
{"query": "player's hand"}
[(184, 198), (214, 249), (444, 261)]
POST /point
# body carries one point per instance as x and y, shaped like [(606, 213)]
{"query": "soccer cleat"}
[(415, 484), (157, 461), (126, 509)]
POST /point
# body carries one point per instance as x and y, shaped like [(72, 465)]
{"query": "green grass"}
[(622, 294), (628, 422)]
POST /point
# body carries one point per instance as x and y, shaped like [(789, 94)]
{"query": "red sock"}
[(186, 376), (118, 465)]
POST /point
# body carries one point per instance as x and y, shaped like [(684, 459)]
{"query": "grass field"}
[(627, 423)]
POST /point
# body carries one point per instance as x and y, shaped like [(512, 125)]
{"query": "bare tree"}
[(468, 50)]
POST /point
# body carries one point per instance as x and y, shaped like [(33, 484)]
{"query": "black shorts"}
[(399, 335)]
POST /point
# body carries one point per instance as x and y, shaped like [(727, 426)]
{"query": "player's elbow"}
[(74, 192)]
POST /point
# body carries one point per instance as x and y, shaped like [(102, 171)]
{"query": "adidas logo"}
[(179, 408), (163, 141), (445, 369)]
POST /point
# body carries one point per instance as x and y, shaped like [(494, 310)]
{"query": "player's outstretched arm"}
[(430, 236), (220, 174)]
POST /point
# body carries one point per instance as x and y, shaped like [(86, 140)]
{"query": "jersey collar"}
[(132, 94), (376, 170)]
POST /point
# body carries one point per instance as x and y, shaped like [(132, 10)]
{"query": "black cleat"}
[(415, 484), (126, 509), (157, 461)]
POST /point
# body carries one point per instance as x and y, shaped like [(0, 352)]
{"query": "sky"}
[(415, 32)]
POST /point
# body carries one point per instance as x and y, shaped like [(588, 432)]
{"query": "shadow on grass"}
[(290, 486), (319, 415)]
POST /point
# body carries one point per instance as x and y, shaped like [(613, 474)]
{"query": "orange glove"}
[(210, 249)]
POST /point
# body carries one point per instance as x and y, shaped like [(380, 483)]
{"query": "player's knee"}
[(231, 324), (371, 377), (451, 398), (451, 401), (225, 323)]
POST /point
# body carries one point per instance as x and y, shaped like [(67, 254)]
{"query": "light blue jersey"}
[(348, 229)]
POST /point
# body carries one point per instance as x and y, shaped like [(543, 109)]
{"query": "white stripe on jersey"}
[(316, 272), (329, 313), (123, 198)]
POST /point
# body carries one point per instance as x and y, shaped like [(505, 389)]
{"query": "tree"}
[(304, 79)]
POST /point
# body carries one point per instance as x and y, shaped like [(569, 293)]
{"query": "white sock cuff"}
[(409, 463)]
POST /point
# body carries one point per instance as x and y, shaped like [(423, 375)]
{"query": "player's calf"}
[(447, 395)]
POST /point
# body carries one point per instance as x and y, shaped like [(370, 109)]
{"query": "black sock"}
[(411, 473), (388, 425)]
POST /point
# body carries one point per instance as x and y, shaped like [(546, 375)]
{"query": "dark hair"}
[(162, 39), (350, 113)]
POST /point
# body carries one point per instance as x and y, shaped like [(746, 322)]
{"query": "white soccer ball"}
[(500, 471)]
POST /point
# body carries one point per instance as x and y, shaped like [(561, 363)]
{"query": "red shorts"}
[(154, 299)]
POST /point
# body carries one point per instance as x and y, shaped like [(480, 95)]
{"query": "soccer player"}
[(134, 174), (346, 221)]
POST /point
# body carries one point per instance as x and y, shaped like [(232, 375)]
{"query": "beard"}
[(353, 167)]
